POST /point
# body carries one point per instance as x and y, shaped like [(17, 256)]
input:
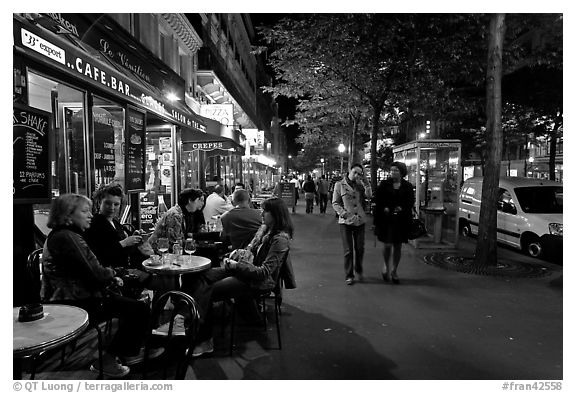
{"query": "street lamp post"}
[(322, 161), (341, 149)]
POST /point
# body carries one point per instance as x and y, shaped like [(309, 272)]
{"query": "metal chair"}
[(128, 228), (186, 306), (261, 297)]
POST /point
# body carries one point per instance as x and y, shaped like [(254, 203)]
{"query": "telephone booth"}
[(434, 171)]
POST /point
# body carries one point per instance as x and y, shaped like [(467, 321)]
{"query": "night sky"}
[(286, 107)]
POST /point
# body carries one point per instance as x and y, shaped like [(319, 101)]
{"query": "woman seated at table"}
[(239, 279), (182, 220), (72, 275), (108, 240)]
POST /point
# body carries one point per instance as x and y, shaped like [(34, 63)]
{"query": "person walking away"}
[(392, 217), (309, 192), (322, 188), (347, 201), (294, 180), (240, 224)]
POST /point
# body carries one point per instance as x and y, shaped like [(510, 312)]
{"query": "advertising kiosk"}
[(434, 171)]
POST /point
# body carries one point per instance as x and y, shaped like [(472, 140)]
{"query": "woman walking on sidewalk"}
[(392, 217), (348, 202)]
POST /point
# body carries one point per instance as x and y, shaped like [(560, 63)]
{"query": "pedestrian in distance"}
[(322, 187), (348, 202), (393, 216), (309, 192)]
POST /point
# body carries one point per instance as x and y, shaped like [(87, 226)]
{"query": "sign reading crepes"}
[(207, 145)]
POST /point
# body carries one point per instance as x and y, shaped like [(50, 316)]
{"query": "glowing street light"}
[(341, 149)]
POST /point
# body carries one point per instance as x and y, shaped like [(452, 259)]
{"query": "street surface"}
[(437, 324)]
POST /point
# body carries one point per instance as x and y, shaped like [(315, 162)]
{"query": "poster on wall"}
[(149, 209), (166, 175), (135, 152), (31, 181), (165, 144)]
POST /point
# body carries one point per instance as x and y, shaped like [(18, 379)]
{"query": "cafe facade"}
[(91, 108)]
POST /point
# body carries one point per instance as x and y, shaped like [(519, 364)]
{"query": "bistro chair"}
[(128, 228), (186, 306), (261, 298), (34, 267)]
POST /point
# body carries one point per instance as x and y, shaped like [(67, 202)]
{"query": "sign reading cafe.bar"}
[(81, 64)]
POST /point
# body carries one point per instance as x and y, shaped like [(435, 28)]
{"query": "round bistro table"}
[(59, 325)]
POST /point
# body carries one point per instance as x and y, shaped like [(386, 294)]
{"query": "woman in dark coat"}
[(392, 217)]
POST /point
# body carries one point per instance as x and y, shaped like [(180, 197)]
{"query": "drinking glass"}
[(190, 247), (163, 247)]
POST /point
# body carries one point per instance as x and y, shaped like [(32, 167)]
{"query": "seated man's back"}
[(241, 223)]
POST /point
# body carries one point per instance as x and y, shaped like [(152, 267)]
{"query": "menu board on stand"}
[(288, 194), (31, 182), (135, 152)]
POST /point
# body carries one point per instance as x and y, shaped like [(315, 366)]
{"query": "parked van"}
[(529, 213)]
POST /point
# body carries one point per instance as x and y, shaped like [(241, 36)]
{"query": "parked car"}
[(529, 213)]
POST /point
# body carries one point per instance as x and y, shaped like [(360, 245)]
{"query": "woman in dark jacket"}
[(106, 236), (73, 275), (240, 278), (392, 217)]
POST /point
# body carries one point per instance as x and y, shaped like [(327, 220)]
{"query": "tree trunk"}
[(486, 249), (553, 141), (352, 149), (373, 144)]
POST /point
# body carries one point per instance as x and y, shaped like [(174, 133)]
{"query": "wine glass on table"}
[(163, 247), (190, 247)]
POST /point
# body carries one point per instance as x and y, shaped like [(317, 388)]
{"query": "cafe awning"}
[(202, 141), (211, 140)]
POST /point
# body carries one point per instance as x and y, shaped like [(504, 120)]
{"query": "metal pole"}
[(342, 165)]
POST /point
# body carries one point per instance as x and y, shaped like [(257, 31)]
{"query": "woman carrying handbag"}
[(393, 217)]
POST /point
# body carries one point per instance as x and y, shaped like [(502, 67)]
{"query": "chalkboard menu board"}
[(31, 182), (135, 151), (288, 193)]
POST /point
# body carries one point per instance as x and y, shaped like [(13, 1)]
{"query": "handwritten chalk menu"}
[(31, 179), (135, 150), (288, 193)]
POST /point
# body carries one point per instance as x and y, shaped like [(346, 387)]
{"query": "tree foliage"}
[(367, 64)]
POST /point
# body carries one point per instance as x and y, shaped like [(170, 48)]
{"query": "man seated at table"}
[(240, 224), (216, 204), (181, 220)]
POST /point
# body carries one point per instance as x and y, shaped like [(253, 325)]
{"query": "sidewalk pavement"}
[(437, 324)]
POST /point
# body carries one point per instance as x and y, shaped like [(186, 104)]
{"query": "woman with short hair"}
[(73, 275), (106, 236), (182, 220)]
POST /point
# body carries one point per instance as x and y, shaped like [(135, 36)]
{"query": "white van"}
[(529, 213)]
